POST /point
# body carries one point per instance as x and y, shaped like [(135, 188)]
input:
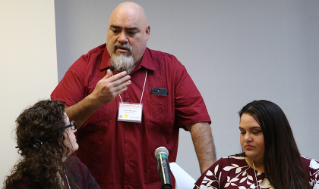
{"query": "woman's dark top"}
[(79, 177)]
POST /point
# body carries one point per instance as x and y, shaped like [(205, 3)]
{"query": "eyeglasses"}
[(72, 125)]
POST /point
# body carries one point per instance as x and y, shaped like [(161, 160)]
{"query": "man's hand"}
[(106, 90), (110, 86)]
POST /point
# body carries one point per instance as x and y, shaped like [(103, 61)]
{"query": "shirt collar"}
[(146, 62), (105, 62)]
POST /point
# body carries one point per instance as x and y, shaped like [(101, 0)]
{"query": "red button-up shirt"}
[(121, 154)]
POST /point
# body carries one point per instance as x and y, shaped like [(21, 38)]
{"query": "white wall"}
[(235, 51), (28, 66)]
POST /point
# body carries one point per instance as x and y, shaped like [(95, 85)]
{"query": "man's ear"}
[(148, 32)]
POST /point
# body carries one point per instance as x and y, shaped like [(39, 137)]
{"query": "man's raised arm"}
[(106, 90)]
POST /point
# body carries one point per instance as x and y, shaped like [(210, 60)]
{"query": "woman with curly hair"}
[(270, 157), (46, 139)]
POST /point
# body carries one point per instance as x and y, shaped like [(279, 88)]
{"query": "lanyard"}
[(67, 181), (257, 183), (142, 91)]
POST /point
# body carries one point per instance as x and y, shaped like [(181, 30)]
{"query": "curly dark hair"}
[(40, 138)]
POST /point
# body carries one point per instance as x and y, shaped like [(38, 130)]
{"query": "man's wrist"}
[(92, 100)]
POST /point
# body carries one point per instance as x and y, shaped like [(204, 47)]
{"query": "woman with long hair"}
[(270, 157), (46, 139)]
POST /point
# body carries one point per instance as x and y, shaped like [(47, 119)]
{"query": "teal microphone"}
[(164, 171)]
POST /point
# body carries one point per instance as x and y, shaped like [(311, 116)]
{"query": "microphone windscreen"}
[(160, 150)]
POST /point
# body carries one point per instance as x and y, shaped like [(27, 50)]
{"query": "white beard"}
[(122, 62)]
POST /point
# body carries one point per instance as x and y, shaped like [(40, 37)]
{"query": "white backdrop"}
[(235, 51), (28, 66)]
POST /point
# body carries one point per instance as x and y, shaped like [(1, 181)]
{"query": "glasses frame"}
[(72, 125)]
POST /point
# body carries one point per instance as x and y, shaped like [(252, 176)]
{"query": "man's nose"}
[(123, 38)]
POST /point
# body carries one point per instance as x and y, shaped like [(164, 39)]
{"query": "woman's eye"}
[(242, 132), (257, 132)]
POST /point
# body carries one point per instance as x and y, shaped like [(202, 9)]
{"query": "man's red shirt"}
[(121, 154)]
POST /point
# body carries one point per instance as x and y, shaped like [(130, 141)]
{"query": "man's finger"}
[(122, 86), (108, 74), (118, 76), (121, 91), (122, 80)]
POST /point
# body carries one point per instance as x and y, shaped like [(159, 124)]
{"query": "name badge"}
[(130, 112)]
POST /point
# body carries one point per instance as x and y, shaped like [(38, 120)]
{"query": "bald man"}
[(127, 100)]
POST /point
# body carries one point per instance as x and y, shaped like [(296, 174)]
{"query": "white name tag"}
[(130, 112)]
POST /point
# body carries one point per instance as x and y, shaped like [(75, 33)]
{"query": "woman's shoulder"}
[(312, 170), (80, 171), (76, 165), (228, 162), (231, 159), (310, 163), (225, 165)]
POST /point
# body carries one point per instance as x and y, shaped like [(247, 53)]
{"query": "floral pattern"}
[(233, 172)]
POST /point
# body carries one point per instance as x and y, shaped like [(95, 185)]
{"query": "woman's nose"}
[(248, 137)]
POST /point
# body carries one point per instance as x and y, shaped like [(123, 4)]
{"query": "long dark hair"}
[(282, 162), (40, 138)]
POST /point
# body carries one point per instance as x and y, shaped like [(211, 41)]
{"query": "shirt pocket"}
[(161, 110), (159, 120)]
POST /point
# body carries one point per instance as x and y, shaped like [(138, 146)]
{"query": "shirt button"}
[(128, 161)]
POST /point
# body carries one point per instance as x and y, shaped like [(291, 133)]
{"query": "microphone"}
[(164, 171)]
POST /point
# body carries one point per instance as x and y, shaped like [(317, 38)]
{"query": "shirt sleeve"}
[(190, 107), (71, 89)]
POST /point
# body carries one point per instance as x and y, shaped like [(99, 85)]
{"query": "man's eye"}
[(131, 33), (115, 31)]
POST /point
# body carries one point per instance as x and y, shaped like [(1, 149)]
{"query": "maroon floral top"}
[(233, 172), (79, 177)]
